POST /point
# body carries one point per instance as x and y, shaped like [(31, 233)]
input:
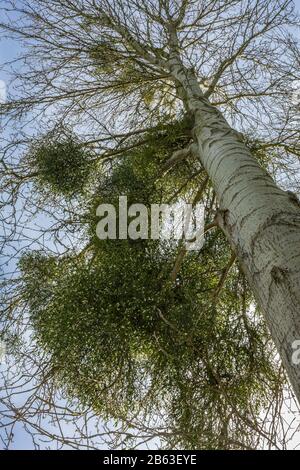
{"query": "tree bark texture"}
[(260, 220)]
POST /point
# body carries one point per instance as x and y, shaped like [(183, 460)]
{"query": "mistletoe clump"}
[(62, 165), (126, 340)]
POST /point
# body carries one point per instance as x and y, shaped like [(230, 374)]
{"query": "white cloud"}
[(2, 91)]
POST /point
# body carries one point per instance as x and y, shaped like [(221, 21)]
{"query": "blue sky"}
[(9, 50)]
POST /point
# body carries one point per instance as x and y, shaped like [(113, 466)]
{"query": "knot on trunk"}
[(293, 198), (278, 274)]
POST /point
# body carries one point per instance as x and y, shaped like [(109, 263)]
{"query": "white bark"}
[(261, 222)]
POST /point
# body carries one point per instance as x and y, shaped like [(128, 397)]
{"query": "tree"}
[(148, 90)]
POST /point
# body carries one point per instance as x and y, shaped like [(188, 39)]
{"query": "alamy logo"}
[(159, 222)]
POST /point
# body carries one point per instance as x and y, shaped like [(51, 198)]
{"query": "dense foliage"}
[(125, 338)]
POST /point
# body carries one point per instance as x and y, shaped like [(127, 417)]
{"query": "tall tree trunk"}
[(261, 221)]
